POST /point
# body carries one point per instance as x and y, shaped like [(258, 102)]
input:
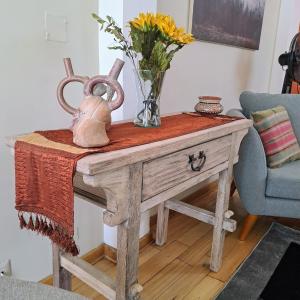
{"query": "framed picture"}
[(231, 22)]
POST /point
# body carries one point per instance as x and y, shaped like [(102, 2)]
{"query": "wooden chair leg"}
[(247, 226)]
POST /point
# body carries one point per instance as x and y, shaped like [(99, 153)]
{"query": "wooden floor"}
[(179, 269)]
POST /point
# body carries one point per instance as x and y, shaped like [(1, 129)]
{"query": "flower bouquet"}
[(154, 40)]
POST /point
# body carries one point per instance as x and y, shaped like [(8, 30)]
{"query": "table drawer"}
[(165, 172)]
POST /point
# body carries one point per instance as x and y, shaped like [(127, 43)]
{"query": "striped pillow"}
[(277, 135)]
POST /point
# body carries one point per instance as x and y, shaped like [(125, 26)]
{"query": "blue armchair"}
[(265, 191)]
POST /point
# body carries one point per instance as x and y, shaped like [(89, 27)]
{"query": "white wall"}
[(288, 26), (107, 56), (212, 69), (30, 70), (122, 11)]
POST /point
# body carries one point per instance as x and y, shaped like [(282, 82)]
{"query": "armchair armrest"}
[(250, 173)]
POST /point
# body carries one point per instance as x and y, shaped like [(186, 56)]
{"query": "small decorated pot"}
[(209, 105)]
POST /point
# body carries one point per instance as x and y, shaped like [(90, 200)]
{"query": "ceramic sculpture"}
[(93, 117)]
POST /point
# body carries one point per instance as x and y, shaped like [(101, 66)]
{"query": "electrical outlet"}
[(5, 268), (56, 28)]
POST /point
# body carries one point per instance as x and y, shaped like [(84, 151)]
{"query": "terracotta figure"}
[(93, 117)]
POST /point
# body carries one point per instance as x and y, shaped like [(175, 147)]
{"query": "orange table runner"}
[(45, 163)]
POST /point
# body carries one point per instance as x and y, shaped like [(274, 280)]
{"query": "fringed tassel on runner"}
[(41, 225), (50, 230), (30, 224), (47, 228), (37, 223), (22, 221)]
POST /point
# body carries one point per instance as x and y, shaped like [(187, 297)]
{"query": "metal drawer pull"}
[(192, 160)]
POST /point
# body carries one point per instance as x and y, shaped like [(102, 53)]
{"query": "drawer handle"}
[(201, 161)]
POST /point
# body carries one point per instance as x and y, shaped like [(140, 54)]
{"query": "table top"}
[(101, 162)]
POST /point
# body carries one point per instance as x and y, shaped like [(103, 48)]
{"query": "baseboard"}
[(102, 251), (110, 252), (91, 257)]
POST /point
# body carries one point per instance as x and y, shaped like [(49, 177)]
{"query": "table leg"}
[(61, 277), (221, 207), (225, 179), (162, 224), (219, 232), (128, 241)]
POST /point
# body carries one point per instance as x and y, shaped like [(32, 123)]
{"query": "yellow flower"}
[(144, 21), (165, 24)]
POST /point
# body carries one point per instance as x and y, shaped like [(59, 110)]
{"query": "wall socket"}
[(5, 268)]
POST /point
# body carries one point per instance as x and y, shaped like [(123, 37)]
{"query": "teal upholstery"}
[(284, 182), (264, 191), (15, 289)]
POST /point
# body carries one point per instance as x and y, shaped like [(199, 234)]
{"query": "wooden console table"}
[(128, 182)]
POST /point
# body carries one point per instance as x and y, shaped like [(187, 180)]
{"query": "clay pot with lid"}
[(209, 105)]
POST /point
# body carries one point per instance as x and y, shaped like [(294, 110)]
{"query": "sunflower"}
[(154, 40), (144, 22), (165, 24)]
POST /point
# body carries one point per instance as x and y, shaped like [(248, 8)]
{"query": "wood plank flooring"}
[(180, 269)]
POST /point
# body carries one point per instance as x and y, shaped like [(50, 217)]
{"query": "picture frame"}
[(219, 28)]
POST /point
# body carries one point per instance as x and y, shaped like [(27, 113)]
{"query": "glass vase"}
[(148, 86)]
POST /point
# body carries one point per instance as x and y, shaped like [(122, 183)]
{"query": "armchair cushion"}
[(277, 134), (284, 182)]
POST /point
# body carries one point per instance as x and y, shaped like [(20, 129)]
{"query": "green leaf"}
[(98, 19), (116, 48), (110, 19)]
